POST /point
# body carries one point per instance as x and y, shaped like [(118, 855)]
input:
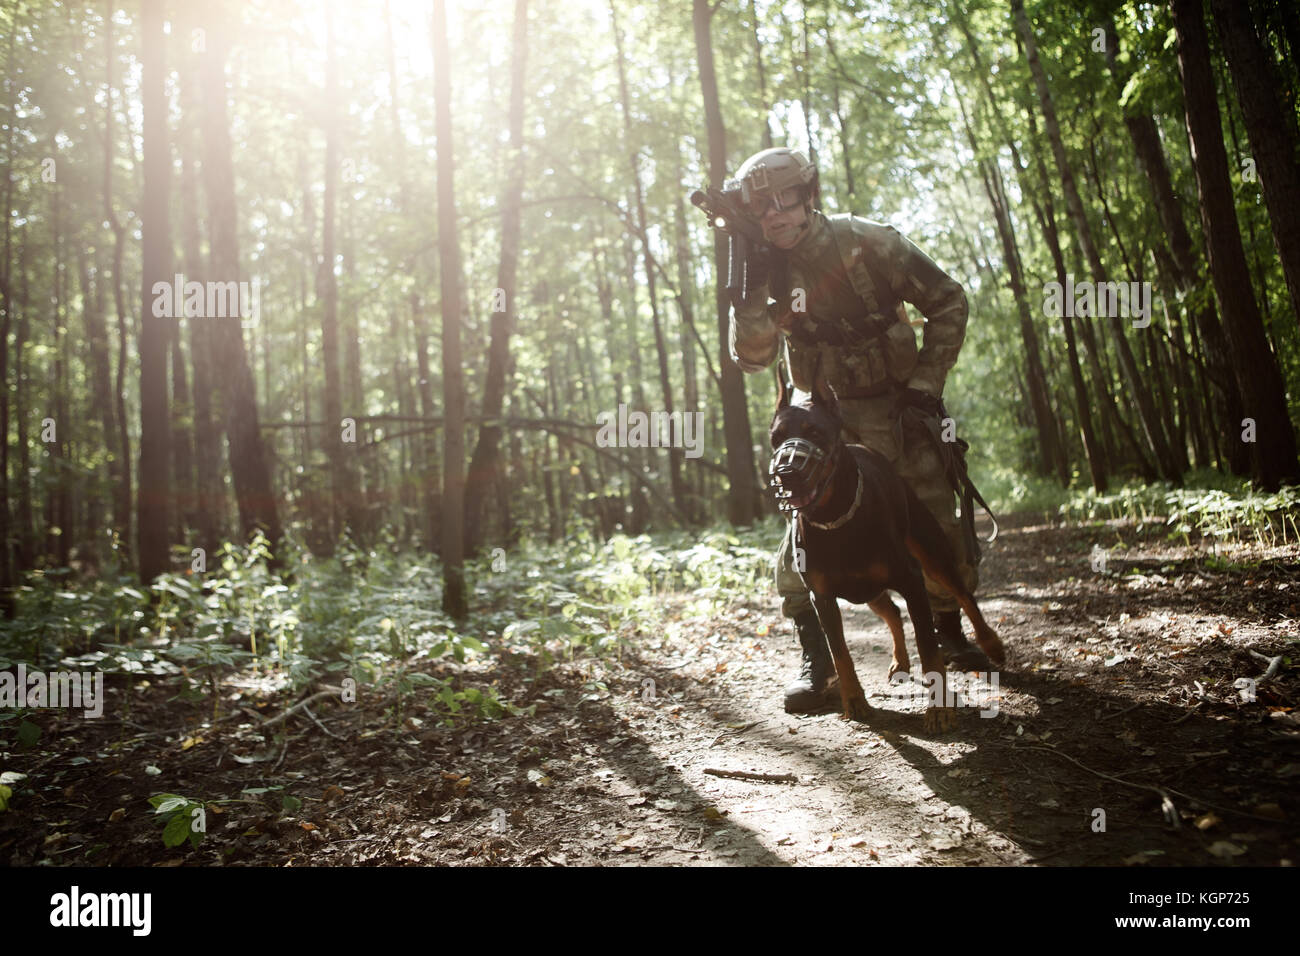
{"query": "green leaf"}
[(290, 803), (177, 830), (170, 803), (28, 734)]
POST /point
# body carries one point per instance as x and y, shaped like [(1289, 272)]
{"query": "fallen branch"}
[(746, 775), (319, 695)]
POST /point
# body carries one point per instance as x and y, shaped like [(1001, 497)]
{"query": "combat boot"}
[(957, 651), (817, 686)]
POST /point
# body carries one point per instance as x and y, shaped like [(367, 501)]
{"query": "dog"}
[(863, 532)]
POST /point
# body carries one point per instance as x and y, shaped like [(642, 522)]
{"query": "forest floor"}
[(1116, 718)]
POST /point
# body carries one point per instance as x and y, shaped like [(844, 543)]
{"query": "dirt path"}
[(1118, 700)]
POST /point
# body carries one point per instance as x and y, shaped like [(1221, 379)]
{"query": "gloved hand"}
[(757, 270), (928, 404)]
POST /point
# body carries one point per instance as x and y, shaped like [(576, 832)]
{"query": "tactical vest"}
[(865, 351)]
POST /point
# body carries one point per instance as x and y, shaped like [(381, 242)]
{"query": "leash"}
[(953, 456)]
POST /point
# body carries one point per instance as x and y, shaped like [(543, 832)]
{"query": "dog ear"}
[(783, 393)]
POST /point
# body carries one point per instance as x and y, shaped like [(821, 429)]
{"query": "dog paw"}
[(940, 720), (856, 708), (897, 667), (992, 648)]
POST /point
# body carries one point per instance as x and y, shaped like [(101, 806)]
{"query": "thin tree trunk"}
[(680, 496), (1051, 456), (1273, 453), (156, 242), (1271, 130), (743, 504), (120, 456), (1074, 204), (249, 459), (485, 464), (762, 77), (454, 601)]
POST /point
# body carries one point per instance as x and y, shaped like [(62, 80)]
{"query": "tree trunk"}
[(327, 294), (120, 457), (1074, 204), (1271, 130), (1273, 454), (249, 461), (206, 508), (485, 464), (1150, 155), (453, 388), (762, 77), (156, 254), (680, 495), (1093, 447), (1051, 456), (743, 504)]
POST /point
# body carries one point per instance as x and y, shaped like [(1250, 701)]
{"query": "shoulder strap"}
[(864, 287)]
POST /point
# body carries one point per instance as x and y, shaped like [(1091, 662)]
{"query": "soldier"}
[(839, 284)]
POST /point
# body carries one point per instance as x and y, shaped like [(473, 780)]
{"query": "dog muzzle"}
[(798, 472)]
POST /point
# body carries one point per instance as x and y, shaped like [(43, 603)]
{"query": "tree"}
[(742, 500), (1271, 129), (453, 387), (249, 464), (1273, 455), (485, 464), (154, 425)]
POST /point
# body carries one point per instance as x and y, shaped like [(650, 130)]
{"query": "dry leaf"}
[(1225, 850)]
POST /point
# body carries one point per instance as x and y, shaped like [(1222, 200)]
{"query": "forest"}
[(330, 331)]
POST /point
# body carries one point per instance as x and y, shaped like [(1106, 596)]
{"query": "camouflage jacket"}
[(840, 302)]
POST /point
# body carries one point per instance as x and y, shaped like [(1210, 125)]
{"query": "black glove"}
[(750, 268), (923, 401)]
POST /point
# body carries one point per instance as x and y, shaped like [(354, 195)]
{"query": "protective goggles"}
[(759, 203)]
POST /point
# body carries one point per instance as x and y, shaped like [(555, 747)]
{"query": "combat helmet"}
[(771, 172)]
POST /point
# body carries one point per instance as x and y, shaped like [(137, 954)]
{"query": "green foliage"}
[(1236, 512), (7, 779), (181, 818)]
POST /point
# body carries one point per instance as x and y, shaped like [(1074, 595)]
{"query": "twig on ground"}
[(319, 695), (747, 775), (1120, 713), (307, 711)]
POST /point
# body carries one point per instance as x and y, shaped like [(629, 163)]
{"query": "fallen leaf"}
[(1225, 850), (117, 815), (1208, 820)]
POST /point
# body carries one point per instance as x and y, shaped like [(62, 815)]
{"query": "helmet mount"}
[(771, 172)]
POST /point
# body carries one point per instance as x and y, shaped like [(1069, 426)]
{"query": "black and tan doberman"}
[(862, 533)]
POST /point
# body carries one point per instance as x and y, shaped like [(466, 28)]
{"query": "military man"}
[(839, 284)]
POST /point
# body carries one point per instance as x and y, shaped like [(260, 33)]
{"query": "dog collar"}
[(844, 518)]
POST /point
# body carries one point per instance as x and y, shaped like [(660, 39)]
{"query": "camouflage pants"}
[(918, 464)]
